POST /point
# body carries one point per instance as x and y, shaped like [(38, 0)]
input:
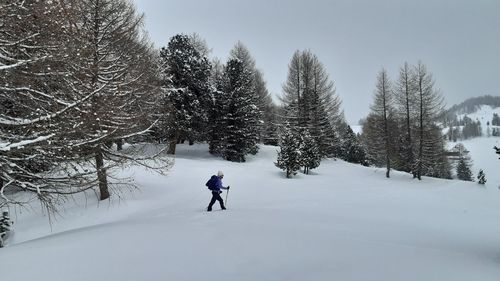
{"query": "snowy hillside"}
[(484, 114), (481, 148), (343, 222)]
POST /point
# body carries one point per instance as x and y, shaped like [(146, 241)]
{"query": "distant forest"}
[(472, 104)]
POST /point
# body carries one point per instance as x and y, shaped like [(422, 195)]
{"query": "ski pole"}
[(227, 193)]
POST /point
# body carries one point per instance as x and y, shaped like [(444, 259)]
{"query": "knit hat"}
[(220, 174)]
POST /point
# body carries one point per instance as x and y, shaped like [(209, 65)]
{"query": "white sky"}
[(458, 40)]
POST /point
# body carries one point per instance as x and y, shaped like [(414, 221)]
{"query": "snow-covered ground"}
[(343, 222)]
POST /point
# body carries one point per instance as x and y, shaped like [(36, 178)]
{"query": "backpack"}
[(211, 182)]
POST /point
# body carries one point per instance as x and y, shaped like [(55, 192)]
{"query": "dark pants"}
[(216, 196)]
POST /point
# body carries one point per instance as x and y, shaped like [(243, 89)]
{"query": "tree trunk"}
[(101, 175), (421, 144), (388, 167), (409, 142), (173, 143), (119, 144), (386, 125)]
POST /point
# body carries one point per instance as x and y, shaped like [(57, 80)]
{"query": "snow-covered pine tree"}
[(239, 113), (351, 148), (310, 157), (481, 177), (289, 153), (463, 170), (258, 91), (188, 72), (216, 112), (310, 101)]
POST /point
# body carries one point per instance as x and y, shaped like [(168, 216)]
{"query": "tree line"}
[(402, 131), (471, 105), (226, 105), (79, 78)]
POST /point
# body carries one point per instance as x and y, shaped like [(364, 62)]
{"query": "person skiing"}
[(215, 185)]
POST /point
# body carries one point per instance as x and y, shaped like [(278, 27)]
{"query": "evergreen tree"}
[(267, 123), (481, 177), (310, 101), (241, 52), (496, 120), (351, 149), (463, 170), (188, 72), (239, 113), (471, 129), (436, 163), (270, 134), (310, 158), (289, 154), (258, 91), (216, 126)]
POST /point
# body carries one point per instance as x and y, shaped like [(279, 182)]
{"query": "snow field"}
[(343, 222)]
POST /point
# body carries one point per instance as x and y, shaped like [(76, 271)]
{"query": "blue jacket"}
[(218, 184)]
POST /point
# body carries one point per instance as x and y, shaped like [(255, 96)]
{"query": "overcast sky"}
[(458, 40)]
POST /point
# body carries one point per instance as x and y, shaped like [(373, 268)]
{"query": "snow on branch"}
[(19, 89), (19, 63), (141, 132), (23, 122), (9, 146)]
